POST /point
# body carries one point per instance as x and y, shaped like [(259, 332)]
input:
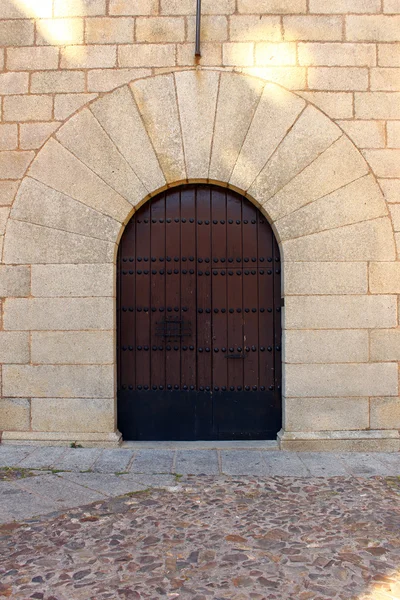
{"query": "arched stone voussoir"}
[(97, 151)]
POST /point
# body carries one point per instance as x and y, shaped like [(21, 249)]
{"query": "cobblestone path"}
[(220, 538)]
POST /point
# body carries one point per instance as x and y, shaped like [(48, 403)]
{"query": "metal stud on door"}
[(199, 321)]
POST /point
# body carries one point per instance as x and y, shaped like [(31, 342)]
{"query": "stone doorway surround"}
[(303, 173)]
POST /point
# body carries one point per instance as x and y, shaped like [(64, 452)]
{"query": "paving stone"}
[(113, 461), (108, 484), (365, 465), (151, 481), (12, 455), (152, 461), (284, 463), (59, 491), (197, 462), (42, 458), (243, 462), (17, 503), (389, 458), (321, 464), (78, 459)]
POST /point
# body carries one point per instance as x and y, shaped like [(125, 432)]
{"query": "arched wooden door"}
[(199, 327)]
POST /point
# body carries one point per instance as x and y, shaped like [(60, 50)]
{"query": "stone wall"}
[(335, 215)]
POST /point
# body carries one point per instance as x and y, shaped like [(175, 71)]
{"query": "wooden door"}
[(199, 328)]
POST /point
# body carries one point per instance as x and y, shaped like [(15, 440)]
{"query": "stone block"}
[(197, 462), (10, 9), (339, 312), (384, 163), (213, 28), (15, 281), (377, 105), (27, 108), (14, 347), (32, 59), (186, 7), (391, 6), (385, 79), (231, 126), (394, 210), (8, 189), (113, 461), (291, 78), (329, 179), (211, 54), (4, 212), (302, 278), (102, 30), (14, 83), (38, 204), (161, 120), (359, 201), (153, 461), (372, 28), (64, 314), (15, 414), (384, 278), (89, 57), (72, 280), (197, 99), (66, 104), (370, 240), (385, 413), (8, 136), (134, 7), (118, 115), (97, 151), (326, 346), (256, 150), (338, 105), (272, 6), (72, 347), (389, 55), (104, 80), (255, 28), (326, 414), (276, 54), (390, 189), (57, 168), (342, 380), (59, 32), (146, 55), (393, 134), (60, 381), (345, 6), (33, 135), (45, 245), (311, 135), (385, 345), (337, 54), (79, 8), (13, 164), (312, 28), (338, 78), (238, 54), (51, 82), (16, 33), (160, 29), (365, 134)]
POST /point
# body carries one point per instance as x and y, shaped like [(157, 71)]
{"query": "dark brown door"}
[(199, 327)]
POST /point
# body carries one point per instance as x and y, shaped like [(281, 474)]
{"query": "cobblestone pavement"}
[(215, 537)]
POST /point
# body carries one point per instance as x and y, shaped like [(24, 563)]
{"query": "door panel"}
[(199, 321)]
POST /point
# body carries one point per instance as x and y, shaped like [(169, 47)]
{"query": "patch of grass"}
[(10, 473), (75, 445), (178, 476)]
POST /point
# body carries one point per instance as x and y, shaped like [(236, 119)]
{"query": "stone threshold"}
[(204, 445)]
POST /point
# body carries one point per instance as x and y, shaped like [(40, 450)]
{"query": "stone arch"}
[(269, 144)]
